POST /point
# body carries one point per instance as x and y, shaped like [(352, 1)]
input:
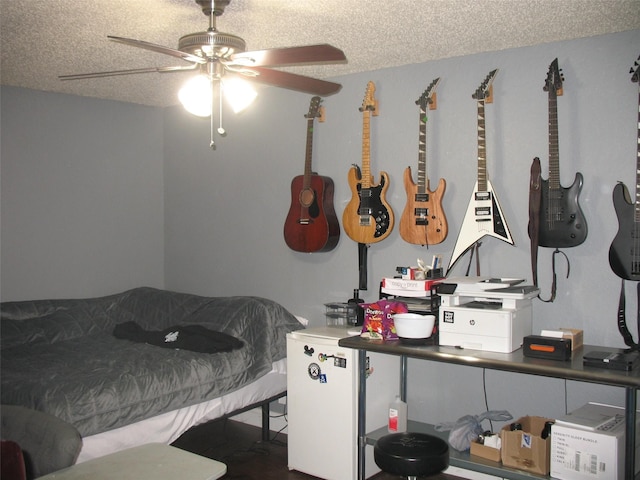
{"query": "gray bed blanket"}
[(60, 356)]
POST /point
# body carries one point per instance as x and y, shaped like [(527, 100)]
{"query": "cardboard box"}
[(526, 449), (483, 451), (575, 335), (413, 285), (588, 443)]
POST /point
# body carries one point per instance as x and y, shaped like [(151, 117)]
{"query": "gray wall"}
[(82, 196), (224, 210)]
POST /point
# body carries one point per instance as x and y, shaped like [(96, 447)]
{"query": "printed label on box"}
[(574, 460), (526, 441)]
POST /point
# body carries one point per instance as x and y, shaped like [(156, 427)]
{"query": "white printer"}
[(484, 313)]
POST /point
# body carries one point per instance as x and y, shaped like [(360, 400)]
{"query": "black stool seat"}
[(411, 454)]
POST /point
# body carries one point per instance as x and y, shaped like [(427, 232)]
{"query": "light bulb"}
[(195, 96), (238, 93)]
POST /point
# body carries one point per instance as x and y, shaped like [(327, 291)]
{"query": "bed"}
[(63, 357)]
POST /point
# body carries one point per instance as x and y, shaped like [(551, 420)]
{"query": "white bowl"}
[(413, 325)]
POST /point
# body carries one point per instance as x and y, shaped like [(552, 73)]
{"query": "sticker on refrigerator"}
[(314, 371), (323, 378)]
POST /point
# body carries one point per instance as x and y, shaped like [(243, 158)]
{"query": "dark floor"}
[(247, 457)]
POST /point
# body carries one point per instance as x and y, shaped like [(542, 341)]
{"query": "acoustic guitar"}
[(368, 218), (423, 221), (624, 253), (562, 223), (484, 215), (311, 224)]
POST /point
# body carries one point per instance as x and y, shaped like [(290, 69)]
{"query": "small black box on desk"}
[(551, 348)]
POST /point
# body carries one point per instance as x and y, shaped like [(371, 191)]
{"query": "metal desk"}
[(509, 362)]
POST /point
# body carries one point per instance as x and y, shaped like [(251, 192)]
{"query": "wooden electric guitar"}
[(624, 253), (368, 218), (562, 223), (423, 221), (484, 215), (311, 224)]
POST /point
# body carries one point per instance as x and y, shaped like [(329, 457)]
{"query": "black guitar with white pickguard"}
[(562, 223), (484, 215)]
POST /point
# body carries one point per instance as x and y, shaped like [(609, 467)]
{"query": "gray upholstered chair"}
[(48, 444)]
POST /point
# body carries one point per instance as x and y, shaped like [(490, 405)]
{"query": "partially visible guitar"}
[(562, 223), (311, 224), (624, 253), (367, 218), (423, 221), (484, 216)]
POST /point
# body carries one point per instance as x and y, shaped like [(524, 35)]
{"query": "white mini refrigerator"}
[(322, 402)]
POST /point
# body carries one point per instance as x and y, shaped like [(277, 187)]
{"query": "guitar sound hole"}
[(306, 197)]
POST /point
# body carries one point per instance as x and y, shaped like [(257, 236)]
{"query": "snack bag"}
[(378, 319)]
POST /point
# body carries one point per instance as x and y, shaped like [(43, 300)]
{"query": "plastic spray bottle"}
[(397, 416)]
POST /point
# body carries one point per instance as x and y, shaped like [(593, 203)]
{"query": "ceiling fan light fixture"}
[(195, 96), (238, 93), (211, 44)]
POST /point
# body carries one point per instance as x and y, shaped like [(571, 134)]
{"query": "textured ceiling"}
[(44, 39)]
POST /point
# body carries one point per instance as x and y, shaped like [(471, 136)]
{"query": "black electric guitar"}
[(367, 218), (484, 215), (423, 221), (624, 253), (311, 224), (562, 223)]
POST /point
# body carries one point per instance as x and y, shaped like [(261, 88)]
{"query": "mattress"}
[(167, 427), (60, 356)]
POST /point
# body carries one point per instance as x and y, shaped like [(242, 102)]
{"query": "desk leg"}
[(403, 378), (630, 433), (362, 412)]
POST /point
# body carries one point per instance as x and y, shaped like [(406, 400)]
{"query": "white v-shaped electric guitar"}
[(484, 215)]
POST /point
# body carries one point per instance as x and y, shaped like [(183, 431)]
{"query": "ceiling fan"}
[(214, 54)]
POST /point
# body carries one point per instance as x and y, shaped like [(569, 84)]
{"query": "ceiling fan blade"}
[(294, 81), (114, 73), (310, 54), (158, 48)]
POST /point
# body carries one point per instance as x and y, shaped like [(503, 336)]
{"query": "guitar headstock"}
[(485, 90), (635, 71), (370, 103), (554, 80), (428, 97), (315, 110)]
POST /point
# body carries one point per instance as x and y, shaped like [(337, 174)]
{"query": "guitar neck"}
[(637, 203), (307, 160), (422, 152), (366, 149), (554, 149), (482, 149)]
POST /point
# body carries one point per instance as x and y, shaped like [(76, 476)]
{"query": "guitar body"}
[(624, 253), (423, 221), (562, 223), (484, 217), (311, 224), (367, 218)]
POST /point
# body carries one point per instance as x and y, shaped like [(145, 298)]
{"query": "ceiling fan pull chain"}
[(212, 144), (221, 130)]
